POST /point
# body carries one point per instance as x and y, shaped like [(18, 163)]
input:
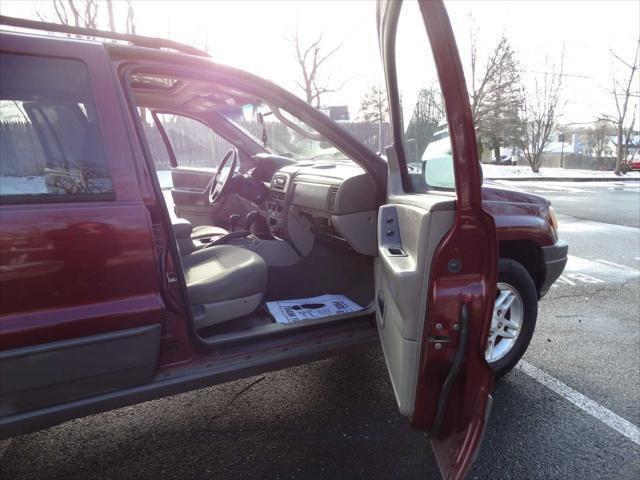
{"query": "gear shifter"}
[(250, 219), (233, 221)]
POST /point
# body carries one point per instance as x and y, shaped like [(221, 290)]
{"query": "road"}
[(559, 415)]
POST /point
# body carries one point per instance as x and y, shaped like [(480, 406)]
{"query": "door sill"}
[(281, 333)]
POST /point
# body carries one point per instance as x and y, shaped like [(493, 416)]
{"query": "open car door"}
[(436, 269)]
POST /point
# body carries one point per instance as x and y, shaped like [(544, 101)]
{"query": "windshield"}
[(280, 132)]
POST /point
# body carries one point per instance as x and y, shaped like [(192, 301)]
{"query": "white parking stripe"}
[(594, 409), (614, 264)]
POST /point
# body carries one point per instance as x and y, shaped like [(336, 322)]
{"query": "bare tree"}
[(496, 96), (428, 113), (539, 115), (623, 90), (310, 58), (429, 106), (85, 13), (130, 24), (91, 13), (112, 21)]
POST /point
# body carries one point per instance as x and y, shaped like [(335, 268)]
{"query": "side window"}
[(194, 143), (50, 143), (426, 138)]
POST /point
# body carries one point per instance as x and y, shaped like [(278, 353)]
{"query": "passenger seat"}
[(224, 282)]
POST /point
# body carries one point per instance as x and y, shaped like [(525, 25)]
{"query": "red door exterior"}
[(454, 382)]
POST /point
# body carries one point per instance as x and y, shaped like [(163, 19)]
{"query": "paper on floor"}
[(296, 310)]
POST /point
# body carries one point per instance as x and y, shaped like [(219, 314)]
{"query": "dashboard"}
[(331, 199)]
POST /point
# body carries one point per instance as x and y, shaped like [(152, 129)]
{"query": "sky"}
[(253, 35)]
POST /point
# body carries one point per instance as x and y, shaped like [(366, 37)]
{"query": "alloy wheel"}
[(506, 323)]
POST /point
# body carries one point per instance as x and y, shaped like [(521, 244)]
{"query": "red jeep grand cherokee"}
[(282, 240)]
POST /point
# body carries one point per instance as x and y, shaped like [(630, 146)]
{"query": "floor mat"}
[(300, 309)]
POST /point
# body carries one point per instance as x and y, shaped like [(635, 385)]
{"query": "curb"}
[(567, 179)]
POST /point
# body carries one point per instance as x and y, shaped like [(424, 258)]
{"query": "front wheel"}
[(514, 317)]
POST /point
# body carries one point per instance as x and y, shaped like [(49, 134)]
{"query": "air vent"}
[(331, 198), (279, 182)]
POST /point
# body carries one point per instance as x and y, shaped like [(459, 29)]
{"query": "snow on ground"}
[(164, 177), (36, 184), (22, 185), (517, 171)]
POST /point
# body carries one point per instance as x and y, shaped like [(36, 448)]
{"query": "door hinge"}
[(453, 372)]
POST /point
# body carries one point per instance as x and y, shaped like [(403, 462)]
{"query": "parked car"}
[(286, 248)]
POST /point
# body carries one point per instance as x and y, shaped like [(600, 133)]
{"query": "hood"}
[(493, 191)]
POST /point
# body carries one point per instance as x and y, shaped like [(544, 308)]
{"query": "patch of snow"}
[(22, 185), (164, 178), (520, 171)]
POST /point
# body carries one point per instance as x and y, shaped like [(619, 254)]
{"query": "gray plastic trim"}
[(58, 372)]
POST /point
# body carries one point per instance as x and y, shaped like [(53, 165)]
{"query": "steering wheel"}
[(219, 185)]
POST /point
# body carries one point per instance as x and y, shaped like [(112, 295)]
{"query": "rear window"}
[(50, 143)]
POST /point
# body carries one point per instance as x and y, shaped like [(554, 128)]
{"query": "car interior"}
[(264, 210)]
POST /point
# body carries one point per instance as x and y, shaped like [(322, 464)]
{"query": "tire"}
[(514, 285)]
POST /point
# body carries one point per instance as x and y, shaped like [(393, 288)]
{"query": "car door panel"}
[(80, 303), (435, 293), (402, 274), (190, 197), (189, 194)]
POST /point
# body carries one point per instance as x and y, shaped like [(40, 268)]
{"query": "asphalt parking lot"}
[(570, 410)]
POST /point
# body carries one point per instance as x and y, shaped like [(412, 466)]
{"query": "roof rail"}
[(137, 40)]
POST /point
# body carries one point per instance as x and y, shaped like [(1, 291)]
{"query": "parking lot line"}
[(594, 409), (614, 264)]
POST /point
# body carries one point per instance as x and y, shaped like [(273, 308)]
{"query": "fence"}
[(574, 161), (22, 155)]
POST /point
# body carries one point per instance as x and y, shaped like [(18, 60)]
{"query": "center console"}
[(276, 203)]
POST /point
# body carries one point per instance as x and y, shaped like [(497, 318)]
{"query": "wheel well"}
[(528, 254)]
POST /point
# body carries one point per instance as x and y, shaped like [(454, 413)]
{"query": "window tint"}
[(426, 138), (194, 143), (50, 144)]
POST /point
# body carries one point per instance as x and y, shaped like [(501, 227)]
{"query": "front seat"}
[(223, 282), (207, 231), (190, 238)]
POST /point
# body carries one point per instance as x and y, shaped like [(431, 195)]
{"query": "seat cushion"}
[(207, 231), (223, 272)]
